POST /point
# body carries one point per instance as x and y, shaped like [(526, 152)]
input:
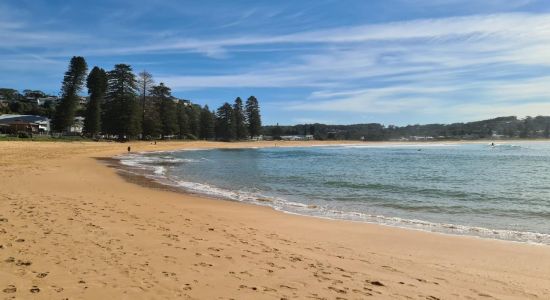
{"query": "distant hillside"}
[(502, 127)]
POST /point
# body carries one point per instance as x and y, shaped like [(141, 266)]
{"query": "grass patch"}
[(44, 138)]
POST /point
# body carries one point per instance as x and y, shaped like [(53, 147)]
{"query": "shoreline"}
[(95, 235), (139, 174)]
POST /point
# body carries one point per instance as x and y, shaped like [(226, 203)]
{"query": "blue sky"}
[(329, 61)]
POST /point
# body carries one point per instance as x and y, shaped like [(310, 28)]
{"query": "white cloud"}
[(423, 66), (521, 27)]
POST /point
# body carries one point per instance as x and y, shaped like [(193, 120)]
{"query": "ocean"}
[(499, 192)]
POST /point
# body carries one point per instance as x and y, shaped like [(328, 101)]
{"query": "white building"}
[(41, 101), (307, 137), (42, 123), (78, 125)]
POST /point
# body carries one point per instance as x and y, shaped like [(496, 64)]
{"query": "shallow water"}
[(474, 189)]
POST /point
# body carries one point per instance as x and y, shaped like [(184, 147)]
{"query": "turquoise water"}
[(472, 189)]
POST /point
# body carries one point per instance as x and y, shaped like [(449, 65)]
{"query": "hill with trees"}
[(502, 127)]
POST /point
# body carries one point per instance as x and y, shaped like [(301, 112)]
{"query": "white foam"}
[(159, 174), (320, 211)]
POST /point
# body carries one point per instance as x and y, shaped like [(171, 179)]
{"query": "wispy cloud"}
[(518, 26), (480, 64)]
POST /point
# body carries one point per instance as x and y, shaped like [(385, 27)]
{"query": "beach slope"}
[(71, 227)]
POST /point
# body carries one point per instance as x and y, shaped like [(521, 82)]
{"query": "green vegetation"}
[(124, 106), (97, 87), (226, 129), (73, 83), (207, 124), (503, 127), (241, 130), (253, 116)]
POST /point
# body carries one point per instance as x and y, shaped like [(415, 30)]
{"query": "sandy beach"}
[(72, 228)]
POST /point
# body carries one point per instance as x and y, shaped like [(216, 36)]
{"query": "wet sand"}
[(70, 227)]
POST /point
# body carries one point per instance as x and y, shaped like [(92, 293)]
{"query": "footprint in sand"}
[(10, 289), (23, 263), (35, 290), (377, 283)]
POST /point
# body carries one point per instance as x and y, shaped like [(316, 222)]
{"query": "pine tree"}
[(225, 123), (151, 125), (97, 87), (122, 114), (183, 119), (240, 120), (253, 116), (208, 124), (193, 114), (73, 83), (145, 82), (167, 109)]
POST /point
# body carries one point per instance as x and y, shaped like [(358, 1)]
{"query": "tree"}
[(225, 123), (145, 82), (193, 114), (276, 132), (253, 116), (122, 114), (97, 87), (183, 119), (10, 94), (151, 124), (526, 128), (167, 109), (312, 130), (73, 83), (241, 129), (34, 94), (207, 124)]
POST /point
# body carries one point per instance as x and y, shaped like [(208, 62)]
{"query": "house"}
[(42, 100), (421, 138), (13, 124), (307, 137), (261, 138), (78, 125), (184, 101)]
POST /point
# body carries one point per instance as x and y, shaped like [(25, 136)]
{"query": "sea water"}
[(500, 191)]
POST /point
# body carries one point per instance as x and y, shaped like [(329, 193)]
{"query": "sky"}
[(328, 61)]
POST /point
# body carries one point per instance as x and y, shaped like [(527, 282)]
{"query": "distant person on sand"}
[(129, 149)]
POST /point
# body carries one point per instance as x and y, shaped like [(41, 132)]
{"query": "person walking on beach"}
[(129, 149)]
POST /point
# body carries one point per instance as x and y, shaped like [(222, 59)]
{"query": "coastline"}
[(143, 170), (81, 222)]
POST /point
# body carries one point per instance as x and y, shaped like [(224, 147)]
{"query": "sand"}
[(71, 227)]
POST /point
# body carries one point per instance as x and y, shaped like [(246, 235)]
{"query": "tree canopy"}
[(253, 116), (73, 83), (97, 87)]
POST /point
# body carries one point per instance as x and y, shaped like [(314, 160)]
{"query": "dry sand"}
[(70, 227)]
